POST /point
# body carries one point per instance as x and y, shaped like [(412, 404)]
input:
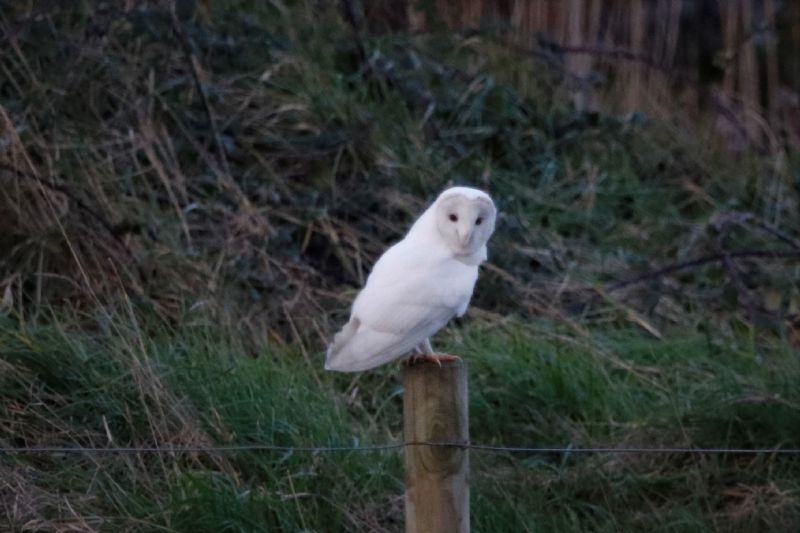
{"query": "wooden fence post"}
[(435, 410)]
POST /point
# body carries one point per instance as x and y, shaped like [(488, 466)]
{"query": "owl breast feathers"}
[(418, 284)]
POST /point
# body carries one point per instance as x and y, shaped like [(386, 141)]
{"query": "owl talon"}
[(433, 358)]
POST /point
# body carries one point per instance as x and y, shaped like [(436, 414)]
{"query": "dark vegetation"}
[(190, 197)]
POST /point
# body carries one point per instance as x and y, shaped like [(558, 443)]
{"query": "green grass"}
[(163, 283), (530, 385)]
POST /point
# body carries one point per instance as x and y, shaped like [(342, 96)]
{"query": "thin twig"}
[(767, 227), (194, 64), (114, 230), (350, 17), (714, 258), (723, 224)]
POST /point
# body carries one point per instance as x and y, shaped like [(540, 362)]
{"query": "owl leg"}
[(424, 352)]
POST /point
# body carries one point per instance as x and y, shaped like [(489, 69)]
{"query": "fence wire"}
[(77, 450)]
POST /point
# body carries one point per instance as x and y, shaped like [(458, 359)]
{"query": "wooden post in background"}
[(435, 410)]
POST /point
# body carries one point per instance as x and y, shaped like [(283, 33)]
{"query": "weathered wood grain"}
[(435, 410)]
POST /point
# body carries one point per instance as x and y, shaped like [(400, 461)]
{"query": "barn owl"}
[(417, 285)]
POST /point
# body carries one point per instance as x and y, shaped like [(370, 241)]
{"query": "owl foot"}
[(437, 358)]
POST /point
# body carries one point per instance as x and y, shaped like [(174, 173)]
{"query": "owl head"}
[(465, 220)]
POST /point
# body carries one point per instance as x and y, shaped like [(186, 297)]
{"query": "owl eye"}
[(453, 217), (478, 222)]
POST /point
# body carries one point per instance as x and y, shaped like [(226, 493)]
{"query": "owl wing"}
[(367, 343), (393, 314)]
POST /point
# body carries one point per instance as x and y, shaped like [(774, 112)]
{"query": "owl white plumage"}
[(418, 284)]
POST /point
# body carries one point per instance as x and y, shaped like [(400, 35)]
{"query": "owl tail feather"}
[(339, 341)]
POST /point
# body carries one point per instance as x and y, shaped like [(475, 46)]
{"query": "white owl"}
[(418, 284)]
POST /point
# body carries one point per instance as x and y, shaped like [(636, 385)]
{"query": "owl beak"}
[(465, 238)]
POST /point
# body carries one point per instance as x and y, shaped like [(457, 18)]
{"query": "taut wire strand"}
[(96, 450)]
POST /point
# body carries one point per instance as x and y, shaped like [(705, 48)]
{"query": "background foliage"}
[(192, 194)]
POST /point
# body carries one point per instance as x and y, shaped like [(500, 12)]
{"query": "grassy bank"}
[(529, 386), (253, 163), (189, 202)]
